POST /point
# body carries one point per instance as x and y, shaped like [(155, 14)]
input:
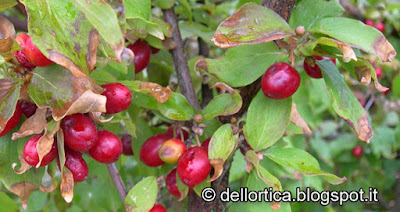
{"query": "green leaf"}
[(195, 29), (7, 204), (367, 38), (5, 4), (223, 105), (222, 143), (242, 65), (58, 27), (307, 12), (344, 102), (163, 4), (188, 10), (138, 9), (199, 188), (102, 16), (267, 120), (383, 142), (8, 103), (176, 108), (252, 23), (301, 161), (145, 101), (143, 195)]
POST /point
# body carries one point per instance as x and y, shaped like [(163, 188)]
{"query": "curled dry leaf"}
[(45, 143), (23, 190), (384, 49), (64, 61), (87, 102), (161, 94), (7, 33), (24, 166), (95, 116), (223, 87), (296, 119), (33, 125), (364, 129), (92, 49), (218, 165), (363, 74), (67, 186), (5, 86), (348, 52)]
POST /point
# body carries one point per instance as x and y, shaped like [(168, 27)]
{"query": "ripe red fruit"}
[(20, 55), (142, 53), (280, 81), (380, 26), (170, 133), (193, 166), (80, 134), (126, 144), (171, 150), (311, 68), (170, 182), (378, 72), (28, 108), (108, 147), (76, 164), (369, 22), (154, 50), (357, 151), (158, 208), (149, 150), (206, 143), (118, 97), (30, 153), (13, 121), (34, 55), (362, 102)]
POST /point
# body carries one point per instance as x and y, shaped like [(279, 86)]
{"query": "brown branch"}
[(180, 62), (119, 184), (351, 10), (19, 24), (397, 194)]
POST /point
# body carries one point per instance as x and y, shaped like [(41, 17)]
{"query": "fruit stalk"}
[(119, 184)]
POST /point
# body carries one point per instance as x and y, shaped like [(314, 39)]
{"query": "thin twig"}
[(119, 184)]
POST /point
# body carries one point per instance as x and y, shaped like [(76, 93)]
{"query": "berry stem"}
[(119, 184)]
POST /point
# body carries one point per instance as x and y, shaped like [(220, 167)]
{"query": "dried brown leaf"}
[(363, 74), (45, 143), (161, 94), (67, 186), (5, 86), (218, 165), (23, 190), (6, 28), (296, 119), (384, 49), (6, 45), (364, 129), (33, 125), (24, 165), (92, 49), (169, 44), (49, 189), (64, 61), (95, 116)]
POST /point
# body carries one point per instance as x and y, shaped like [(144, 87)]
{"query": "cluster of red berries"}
[(142, 52), (30, 56), (193, 165), (378, 25)]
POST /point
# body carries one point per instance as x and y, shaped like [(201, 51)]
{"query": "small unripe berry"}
[(171, 150)]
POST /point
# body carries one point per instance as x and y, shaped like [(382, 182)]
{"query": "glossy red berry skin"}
[(34, 55), (119, 97), (30, 153), (378, 72), (206, 143), (13, 121), (380, 26), (142, 53), (127, 144), (171, 150), (193, 166), (20, 54), (28, 108), (76, 164), (149, 150), (357, 151), (280, 81), (171, 185), (312, 69), (369, 23), (170, 133), (108, 147), (158, 208), (80, 133)]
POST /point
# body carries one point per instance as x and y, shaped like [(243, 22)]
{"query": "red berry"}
[(170, 133), (357, 151), (20, 55), (369, 22), (311, 68), (362, 102), (193, 166), (280, 81), (142, 53), (206, 143), (34, 55), (170, 182), (13, 121), (80, 134), (118, 97), (378, 72), (108, 147), (127, 144), (158, 208), (380, 26), (171, 150), (154, 50), (28, 108), (30, 153), (149, 150), (76, 164)]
